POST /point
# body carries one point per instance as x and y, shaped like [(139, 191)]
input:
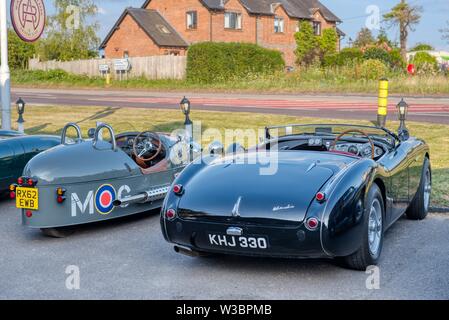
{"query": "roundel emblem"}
[(104, 198), (28, 18)]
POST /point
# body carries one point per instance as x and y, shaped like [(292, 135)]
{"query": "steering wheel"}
[(147, 142), (332, 147)]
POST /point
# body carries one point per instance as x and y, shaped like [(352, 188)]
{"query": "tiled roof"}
[(154, 25)]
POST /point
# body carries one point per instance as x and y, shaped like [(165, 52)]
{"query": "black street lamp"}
[(20, 105), (185, 108), (402, 115)]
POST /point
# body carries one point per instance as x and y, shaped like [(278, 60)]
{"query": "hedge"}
[(214, 62)]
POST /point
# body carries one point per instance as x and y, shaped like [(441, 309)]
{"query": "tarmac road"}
[(128, 259), (431, 109)]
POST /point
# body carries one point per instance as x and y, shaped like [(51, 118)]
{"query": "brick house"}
[(169, 26)]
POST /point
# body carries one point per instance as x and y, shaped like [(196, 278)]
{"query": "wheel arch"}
[(383, 190)]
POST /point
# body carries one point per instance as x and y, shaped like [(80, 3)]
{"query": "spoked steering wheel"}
[(147, 146), (341, 135)]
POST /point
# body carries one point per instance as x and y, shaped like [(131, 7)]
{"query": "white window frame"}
[(192, 20), (316, 28), (233, 25), (279, 25)]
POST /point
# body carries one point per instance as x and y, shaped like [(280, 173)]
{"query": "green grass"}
[(313, 80), (50, 120)]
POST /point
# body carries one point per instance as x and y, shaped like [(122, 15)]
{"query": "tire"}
[(58, 232), (419, 207), (373, 233)]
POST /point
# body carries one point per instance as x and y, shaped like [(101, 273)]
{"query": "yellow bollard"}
[(108, 78), (382, 110)]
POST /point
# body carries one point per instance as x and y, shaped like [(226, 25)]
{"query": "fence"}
[(155, 67)]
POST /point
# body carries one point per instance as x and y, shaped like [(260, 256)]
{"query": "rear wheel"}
[(420, 205), (62, 232), (372, 241)]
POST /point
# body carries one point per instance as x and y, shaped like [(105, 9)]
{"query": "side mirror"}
[(91, 133), (216, 148)]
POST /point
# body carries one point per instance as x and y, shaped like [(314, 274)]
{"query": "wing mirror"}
[(216, 148), (91, 133)]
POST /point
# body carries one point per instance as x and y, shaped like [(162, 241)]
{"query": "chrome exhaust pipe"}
[(147, 196), (186, 251), (140, 198)]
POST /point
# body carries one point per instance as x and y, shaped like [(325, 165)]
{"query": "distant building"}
[(163, 27)]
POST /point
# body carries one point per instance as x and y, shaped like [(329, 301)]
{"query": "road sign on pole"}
[(4, 69)]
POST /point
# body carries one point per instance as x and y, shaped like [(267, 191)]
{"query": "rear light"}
[(60, 191), (29, 213), (31, 182), (320, 196), (178, 189), (12, 195), (170, 214), (12, 187), (20, 180), (312, 224)]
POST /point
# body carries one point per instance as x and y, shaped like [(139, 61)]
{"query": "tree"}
[(19, 51), (71, 34), (445, 32), (406, 17), (328, 42), (307, 45), (422, 47), (383, 40), (364, 38)]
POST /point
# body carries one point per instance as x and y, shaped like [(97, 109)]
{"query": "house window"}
[(317, 28), (192, 20), (278, 25), (233, 20)]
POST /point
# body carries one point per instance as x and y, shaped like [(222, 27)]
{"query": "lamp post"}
[(185, 108), (402, 115), (4, 69), (20, 105)]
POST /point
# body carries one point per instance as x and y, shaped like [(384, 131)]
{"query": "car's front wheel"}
[(372, 241)]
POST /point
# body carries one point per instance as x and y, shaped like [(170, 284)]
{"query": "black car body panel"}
[(225, 194), (16, 150)]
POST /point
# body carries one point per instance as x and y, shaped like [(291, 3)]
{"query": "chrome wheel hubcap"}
[(375, 228), (427, 189)]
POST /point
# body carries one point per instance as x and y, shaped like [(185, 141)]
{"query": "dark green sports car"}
[(16, 150)]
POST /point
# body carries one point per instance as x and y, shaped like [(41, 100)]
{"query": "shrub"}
[(346, 56), (375, 53), (396, 60), (425, 63), (307, 44), (372, 69), (213, 62)]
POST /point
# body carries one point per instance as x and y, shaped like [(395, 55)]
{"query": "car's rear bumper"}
[(287, 242)]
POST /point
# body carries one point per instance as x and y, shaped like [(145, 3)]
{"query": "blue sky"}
[(351, 12)]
